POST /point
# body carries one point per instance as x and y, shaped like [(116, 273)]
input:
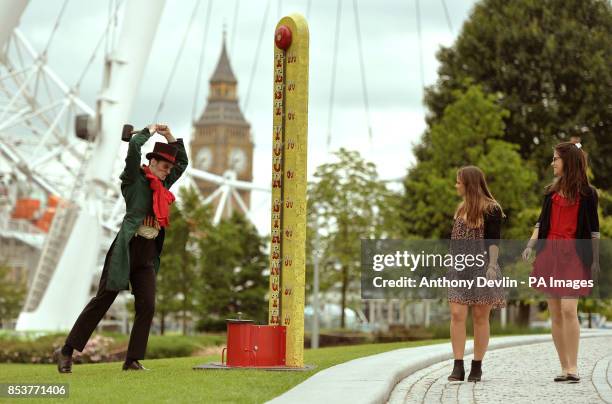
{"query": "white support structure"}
[(34, 107), (228, 189), (10, 13), (76, 262)]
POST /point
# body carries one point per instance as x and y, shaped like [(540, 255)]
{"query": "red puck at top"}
[(282, 37)]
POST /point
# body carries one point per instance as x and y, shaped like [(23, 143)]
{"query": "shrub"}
[(99, 348), (211, 325), (339, 337)]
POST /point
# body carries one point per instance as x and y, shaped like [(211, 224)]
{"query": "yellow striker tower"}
[(280, 344), (288, 227)]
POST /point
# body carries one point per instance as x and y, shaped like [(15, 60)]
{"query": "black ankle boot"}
[(458, 373), (475, 371)]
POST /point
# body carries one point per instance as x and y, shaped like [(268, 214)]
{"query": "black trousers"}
[(142, 279)]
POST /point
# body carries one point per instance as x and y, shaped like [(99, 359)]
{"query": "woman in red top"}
[(566, 263)]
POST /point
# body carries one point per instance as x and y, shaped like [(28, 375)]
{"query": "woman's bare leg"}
[(458, 314), (480, 318), (571, 332), (554, 308)]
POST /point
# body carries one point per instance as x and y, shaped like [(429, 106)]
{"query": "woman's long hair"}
[(573, 182), (477, 200)]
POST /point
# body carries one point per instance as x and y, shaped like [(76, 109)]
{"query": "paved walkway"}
[(517, 369), (521, 374)]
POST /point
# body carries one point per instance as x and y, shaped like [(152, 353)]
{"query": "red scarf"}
[(162, 198)]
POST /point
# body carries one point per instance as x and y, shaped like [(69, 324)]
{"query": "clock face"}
[(204, 159), (237, 160)]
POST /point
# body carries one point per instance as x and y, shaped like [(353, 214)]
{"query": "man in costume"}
[(133, 258)]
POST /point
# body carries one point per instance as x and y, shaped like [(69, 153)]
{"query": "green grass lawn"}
[(174, 380)]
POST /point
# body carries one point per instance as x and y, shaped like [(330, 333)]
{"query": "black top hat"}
[(163, 151)]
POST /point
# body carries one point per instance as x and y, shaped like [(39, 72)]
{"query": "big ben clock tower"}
[(222, 139)]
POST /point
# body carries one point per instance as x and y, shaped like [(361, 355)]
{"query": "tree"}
[(550, 63), (231, 273), (348, 203), (469, 133), (12, 295), (216, 271), (191, 220), (168, 279)]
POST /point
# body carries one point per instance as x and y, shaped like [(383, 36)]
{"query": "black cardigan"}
[(586, 229), (492, 226)]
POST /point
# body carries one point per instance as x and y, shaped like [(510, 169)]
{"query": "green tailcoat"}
[(139, 203)]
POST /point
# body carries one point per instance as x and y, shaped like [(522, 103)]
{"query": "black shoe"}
[(560, 378), (458, 373), (475, 372), (573, 378), (134, 365), (64, 363)]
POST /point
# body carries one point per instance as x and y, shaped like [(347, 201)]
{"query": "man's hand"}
[(164, 130), (153, 128)]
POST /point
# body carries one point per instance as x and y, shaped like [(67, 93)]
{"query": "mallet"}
[(127, 132)]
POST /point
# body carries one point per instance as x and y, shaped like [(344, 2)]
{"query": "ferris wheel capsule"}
[(84, 127)]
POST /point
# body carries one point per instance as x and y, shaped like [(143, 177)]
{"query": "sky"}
[(392, 63)]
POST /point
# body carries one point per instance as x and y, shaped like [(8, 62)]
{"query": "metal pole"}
[(314, 341)]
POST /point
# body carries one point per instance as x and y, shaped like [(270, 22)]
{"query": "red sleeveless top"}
[(563, 218)]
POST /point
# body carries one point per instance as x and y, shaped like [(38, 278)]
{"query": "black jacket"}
[(586, 229)]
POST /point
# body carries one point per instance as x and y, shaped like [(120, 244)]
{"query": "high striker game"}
[(288, 227), (280, 344)]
